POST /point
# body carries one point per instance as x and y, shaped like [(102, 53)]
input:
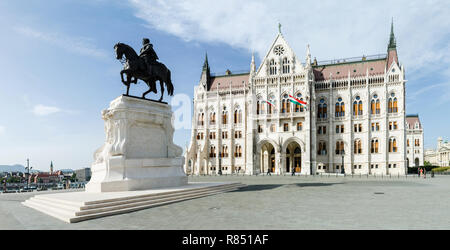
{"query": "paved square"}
[(275, 202)]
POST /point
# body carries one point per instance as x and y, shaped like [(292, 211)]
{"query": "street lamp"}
[(28, 168), (220, 163), (342, 166)]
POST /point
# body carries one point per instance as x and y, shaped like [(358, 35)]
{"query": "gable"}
[(279, 50)]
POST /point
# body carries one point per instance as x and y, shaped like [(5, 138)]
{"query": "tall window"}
[(286, 66), (392, 104), (272, 67), (322, 109), (375, 105), (224, 117), (339, 147), (201, 119), (212, 118), (212, 152), (238, 151), (299, 126), (357, 147), (237, 115), (392, 145), (374, 146), (357, 107), (298, 107), (270, 108), (285, 104), (224, 152), (322, 148), (340, 108)]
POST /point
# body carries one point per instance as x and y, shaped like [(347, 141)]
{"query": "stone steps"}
[(74, 211)]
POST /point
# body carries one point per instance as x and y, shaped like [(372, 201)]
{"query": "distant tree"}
[(73, 178), (426, 163)]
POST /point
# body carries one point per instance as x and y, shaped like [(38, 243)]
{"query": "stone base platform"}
[(78, 206)]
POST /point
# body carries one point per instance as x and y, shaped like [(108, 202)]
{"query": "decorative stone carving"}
[(138, 152)]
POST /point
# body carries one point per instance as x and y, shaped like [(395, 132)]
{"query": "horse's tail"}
[(169, 84)]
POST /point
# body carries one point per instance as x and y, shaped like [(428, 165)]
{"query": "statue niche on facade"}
[(144, 67)]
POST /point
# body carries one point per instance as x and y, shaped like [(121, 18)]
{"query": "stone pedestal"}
[(139, 152)]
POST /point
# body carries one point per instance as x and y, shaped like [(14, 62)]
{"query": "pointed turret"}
[(392, 48), (205, 77), (51, 167), (308, 57), (392, 43), (252, 65)]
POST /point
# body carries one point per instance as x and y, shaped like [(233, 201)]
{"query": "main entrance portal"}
[(293, 158)]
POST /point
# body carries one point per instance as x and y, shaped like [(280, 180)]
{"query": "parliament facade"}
[(302, 116)]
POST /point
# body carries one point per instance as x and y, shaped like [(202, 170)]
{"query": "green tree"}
[(73, 178), (426, 163)]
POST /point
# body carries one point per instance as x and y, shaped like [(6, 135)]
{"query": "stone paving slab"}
[(275, 202)]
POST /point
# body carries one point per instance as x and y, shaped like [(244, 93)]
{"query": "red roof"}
[(412, 120), (339, 71), (236, 81)]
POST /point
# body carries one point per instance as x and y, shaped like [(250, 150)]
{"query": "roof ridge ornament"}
[(279, 27)]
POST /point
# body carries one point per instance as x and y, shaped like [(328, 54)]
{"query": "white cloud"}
[(80, 45), (42, 110), (334, 29)]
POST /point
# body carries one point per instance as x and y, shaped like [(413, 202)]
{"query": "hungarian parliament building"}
[(290, 116)]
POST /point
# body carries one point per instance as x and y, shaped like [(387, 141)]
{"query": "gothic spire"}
[(206, 64), (392, 43)]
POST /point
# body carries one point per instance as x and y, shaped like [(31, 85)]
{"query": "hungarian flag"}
[(297, 101), (270, 103)]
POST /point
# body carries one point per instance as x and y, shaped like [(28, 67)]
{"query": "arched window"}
[(285, 104), (271, 108), (322, 149), (392, 104), (238, 151), (237, 115), (322, 109), (272, 67), (392, 145), (224, 152), (298, 107), (357, 147), (201, 119), (224, 116), (340, 108), (212, 118), (212, 152), (374, 146), (375, 105), (357, 107), (339, 147), (286, 66)]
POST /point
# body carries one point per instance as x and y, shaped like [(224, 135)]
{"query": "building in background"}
[(414, 141), (312, 117), (439, 156), (83, 174)]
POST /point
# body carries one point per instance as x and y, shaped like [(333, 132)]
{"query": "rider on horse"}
[(148, 54)]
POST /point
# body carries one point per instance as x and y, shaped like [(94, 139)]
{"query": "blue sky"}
[(58, 69)]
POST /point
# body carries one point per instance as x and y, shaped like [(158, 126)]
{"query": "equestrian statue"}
[(144, 67)]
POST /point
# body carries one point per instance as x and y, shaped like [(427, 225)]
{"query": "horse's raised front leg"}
[(162, 90), (121, 76)]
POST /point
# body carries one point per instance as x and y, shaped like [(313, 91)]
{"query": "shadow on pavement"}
[(314, 184), (257, 187)]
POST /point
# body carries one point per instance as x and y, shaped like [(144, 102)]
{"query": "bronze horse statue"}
[(136, 68)]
